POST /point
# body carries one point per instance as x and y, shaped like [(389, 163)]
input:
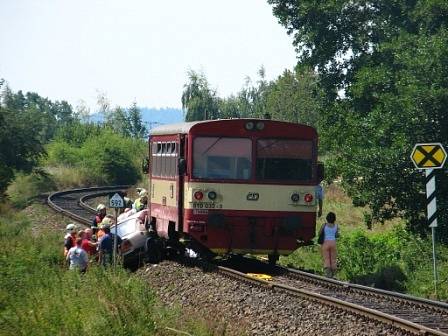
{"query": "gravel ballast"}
[(241, 308)]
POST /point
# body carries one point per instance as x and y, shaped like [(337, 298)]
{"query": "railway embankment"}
[(39, 296)]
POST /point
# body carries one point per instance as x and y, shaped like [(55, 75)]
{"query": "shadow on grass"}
[(388, 278)]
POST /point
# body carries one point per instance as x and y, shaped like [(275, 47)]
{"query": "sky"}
[(137, 50)]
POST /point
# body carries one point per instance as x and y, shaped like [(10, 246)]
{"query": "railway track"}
[(415, 315), (72, 203)]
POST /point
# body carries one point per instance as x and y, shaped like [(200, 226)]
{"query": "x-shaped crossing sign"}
[(428, 155)]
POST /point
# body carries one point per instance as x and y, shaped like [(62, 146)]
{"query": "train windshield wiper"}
[(211, 146)]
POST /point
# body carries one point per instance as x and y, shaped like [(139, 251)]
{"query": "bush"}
[(26, 187), (103, 158), (111, 158), (62, 153), (393, 260)]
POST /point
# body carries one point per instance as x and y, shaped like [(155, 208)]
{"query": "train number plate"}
[(207, 205)]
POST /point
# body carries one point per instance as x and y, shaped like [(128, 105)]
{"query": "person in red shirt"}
[(87, 244)]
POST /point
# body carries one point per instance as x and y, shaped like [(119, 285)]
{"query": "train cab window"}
[(222, 158), (280, 159), (156, 159)]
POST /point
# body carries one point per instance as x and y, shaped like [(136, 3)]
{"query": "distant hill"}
[(152, 116)]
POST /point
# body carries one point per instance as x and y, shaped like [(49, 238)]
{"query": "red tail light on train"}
[(308, 198), (199, 195)]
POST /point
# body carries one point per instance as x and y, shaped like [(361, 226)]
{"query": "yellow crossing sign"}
[(428, 155)]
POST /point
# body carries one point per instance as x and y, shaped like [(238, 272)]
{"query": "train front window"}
[(222, 158), (280, 159)]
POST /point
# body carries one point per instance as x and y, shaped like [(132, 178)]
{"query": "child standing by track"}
[(330, 232)]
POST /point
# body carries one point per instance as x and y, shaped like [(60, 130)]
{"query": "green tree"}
[(21, 143), (118, 120), (295, 96), (199, 101), (390, 57), (137, 128)]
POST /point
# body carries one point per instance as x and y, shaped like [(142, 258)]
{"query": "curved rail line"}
[(71, 203), (416, 315)]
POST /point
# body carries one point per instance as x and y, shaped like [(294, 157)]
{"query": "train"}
[(234, 186)]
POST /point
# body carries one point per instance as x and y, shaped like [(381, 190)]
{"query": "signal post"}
[(116, 201), (430, 156)]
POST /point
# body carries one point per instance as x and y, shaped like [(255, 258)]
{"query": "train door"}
[(180, 179)]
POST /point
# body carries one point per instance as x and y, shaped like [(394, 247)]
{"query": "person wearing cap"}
[(69, 238), (106, 221), (100, 214), (141, 202)]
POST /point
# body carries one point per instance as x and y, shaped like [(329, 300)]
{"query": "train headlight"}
[(295, 197), (308, 198), (260, 125), (249, 125), (212, 195), (198, 195)]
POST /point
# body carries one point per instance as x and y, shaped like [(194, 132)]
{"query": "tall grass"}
[(39, 296)]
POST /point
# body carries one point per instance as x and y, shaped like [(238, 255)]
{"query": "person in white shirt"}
[(78, 258)]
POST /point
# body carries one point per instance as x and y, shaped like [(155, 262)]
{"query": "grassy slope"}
[(38, 296)]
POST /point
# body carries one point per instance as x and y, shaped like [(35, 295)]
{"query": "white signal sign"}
[(116, 201)]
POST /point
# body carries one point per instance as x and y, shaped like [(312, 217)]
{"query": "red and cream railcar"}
[(235, 186)]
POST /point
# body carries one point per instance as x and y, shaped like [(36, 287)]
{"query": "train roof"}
[(185, 127), (178, 128)]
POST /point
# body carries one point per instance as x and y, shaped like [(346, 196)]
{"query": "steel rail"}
[(374, 291), (334, 302), (82, 193)]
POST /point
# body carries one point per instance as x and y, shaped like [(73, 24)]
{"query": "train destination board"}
[(428, 155)]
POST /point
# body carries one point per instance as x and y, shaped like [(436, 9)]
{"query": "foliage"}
[(40, 297), (21, 143), (392, 62), (25, 188), (104, 157), (112, 158), (137, 129), (295, 96), (77, 132), (394, 260), (127, 122), (199, 101)]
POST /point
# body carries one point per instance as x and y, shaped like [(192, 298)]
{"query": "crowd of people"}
[(95, 244)]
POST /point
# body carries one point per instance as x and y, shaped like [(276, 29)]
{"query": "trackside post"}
[(116, 201), (430, 156)]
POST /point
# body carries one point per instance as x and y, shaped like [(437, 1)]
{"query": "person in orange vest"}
[(70, 238), (107, 221), (100, 214)]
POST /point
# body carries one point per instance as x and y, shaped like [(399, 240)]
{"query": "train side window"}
[(155, 161), (171, 158), (163, 160)]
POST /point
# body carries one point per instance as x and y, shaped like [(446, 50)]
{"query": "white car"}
[(133, 235)]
